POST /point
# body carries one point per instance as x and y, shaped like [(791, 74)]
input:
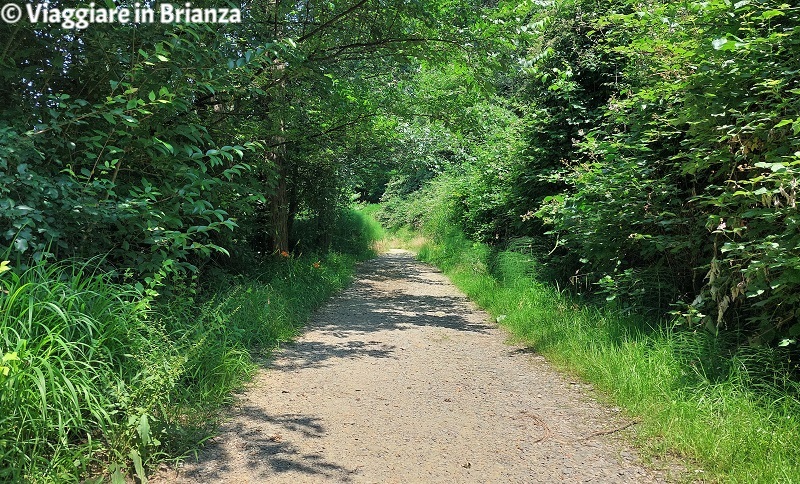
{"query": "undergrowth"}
[(733, 413), (100, 380)]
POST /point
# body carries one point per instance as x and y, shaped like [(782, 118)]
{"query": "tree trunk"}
[(279, 200), (279, 204)]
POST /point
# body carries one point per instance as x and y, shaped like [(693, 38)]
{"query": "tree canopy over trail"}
[(642, 152), (652, 144), (645, 150), (164, 144)]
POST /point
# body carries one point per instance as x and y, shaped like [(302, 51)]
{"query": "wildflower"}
[(316, 265), (284, 253)]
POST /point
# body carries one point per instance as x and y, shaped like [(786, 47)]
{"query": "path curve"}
[(402, 379)]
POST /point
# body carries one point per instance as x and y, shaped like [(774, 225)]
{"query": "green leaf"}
[(116, 474), (722, 44), (774, 167), (137, 465), (168, 146), (772, 13), (144, 429), (21, 244)]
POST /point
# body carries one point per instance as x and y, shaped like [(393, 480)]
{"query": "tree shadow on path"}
[(268, 453), (391, 293), (373, 305)]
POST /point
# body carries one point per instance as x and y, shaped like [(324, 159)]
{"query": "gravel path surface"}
[(402, 379)]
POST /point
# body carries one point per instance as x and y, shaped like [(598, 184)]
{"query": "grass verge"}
[(730, 414), (101, 380)]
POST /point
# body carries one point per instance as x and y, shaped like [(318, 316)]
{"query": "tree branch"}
[(333, 20)]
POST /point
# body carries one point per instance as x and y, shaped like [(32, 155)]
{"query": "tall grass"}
[(734, 414), (101, 380), (72, 338)]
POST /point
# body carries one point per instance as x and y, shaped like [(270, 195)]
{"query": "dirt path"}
[(402, 379)]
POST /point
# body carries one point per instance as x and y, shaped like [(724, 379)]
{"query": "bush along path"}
[(401, 379), (104, 381)]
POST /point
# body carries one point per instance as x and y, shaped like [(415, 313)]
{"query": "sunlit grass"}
[(398, 238)]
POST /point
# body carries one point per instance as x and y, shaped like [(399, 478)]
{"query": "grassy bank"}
[(730, 414), (101, 380)]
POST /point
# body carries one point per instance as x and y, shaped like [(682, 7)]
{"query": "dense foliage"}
[(649, 151), (151, 143)]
